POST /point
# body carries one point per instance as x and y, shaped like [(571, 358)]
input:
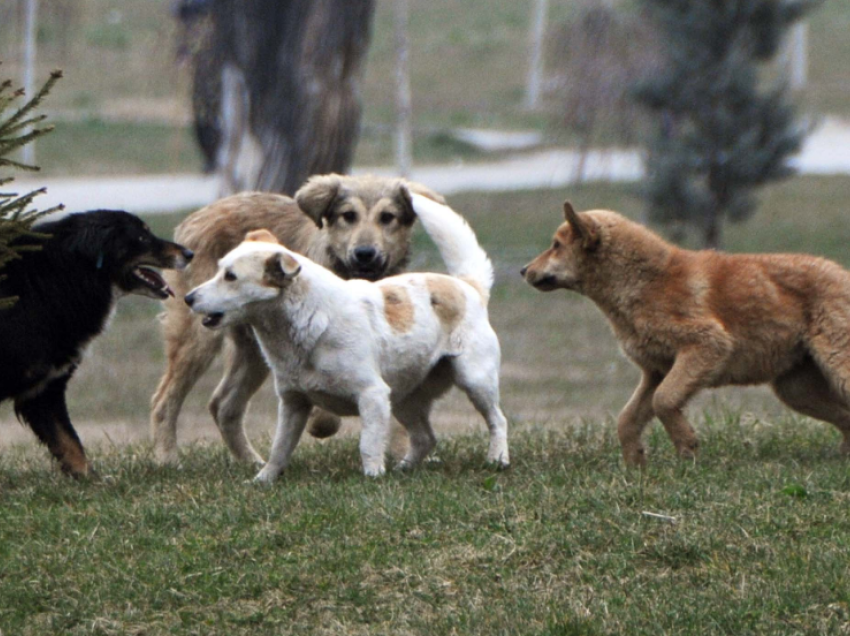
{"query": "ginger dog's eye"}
[(555, 245), (229, 276)]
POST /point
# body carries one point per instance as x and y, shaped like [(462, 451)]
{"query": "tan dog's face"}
[(369, 222), (257, 270), (560, 266)]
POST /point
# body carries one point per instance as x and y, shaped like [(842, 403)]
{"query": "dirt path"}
[(826, 151)]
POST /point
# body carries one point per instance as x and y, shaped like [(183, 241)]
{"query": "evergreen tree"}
[(17, 130), (722, 128)]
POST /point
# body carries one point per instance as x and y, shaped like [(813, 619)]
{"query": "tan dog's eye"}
[(229, 276), (349, 216), (386, 218)]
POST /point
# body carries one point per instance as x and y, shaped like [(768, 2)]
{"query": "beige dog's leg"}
[(692, 371), (806, 390), (634, 417), (374, 407), (245, 370), (292, 412), (189, 353), (413, 414)]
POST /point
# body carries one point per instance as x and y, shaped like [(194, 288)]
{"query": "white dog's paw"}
[(501, 461), (265, 476), (374, 471)]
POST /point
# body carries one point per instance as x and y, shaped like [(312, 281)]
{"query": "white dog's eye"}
[(229, 276)]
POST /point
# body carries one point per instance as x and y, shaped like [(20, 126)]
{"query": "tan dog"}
[(694, 320), (360, 348), (359, 227)]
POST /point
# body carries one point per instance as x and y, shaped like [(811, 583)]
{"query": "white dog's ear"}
[(583, 228), (316, 196), (261, 236), (280, 270)]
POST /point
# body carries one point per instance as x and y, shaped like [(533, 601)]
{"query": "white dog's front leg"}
[(292, 412), (374, 407)]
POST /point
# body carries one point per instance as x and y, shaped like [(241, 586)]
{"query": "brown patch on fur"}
[(70, 454), (279, 270), (261, 236), (698, 319), (397, 308), (447, 300)]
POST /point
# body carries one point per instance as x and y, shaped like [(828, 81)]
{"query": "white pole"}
[(797, 56), (404, 107), (29, 50), (535, 70)]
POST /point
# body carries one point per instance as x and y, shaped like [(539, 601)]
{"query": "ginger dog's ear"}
[(316, 196), (261, 236), (584, 229), (280, 270)]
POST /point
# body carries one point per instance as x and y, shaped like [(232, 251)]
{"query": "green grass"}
[(559, 544)]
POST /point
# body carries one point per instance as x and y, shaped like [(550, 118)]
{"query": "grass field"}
[(754, 538)]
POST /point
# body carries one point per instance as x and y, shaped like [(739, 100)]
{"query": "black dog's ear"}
[(316, 196), (90, 239), (583, 228)]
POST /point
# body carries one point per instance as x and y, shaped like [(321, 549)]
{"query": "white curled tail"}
[(463, 256)]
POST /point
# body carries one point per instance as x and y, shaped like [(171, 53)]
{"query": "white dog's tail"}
[(456, 241)]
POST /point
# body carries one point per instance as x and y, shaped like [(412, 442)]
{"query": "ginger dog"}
[(364, 348), (692, 320)]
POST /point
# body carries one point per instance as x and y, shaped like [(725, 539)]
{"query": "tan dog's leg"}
[(413, 414), (806, 390), (292, 412), (692, 371), (245, 370), (634, 417), (189, 353)]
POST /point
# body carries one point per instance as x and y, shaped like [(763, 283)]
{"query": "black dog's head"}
[(123, 247)]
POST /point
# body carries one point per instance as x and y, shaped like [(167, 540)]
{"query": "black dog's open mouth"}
[(212, 320), (152, 281)]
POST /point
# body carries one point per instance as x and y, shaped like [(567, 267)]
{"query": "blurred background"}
[(742, 98)]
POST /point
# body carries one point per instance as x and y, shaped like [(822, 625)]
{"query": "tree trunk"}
[(289, 73)]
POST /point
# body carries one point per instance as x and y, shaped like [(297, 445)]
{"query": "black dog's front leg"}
[(47, 415)]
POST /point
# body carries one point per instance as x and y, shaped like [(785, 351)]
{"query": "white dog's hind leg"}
[(292, 415), (479, 379), (374, 407)]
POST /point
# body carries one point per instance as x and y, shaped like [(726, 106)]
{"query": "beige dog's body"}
[(694, 320), (361, 348), (358, 226)]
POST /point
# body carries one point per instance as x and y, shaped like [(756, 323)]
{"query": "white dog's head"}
[(255, 271)]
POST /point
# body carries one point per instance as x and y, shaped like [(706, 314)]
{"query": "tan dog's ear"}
[(316, 196), (583, 229), (261, 236), (280, 269), (408, 215), (425, 191)]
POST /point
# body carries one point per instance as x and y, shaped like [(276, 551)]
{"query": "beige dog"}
[(358, 226), (361, 348), (694, 320)]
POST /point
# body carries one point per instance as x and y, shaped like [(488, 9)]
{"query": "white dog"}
[(361, 348)]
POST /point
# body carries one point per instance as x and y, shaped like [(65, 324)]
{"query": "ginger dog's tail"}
[(458, 245)]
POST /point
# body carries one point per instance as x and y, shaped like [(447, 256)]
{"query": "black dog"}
[(65, 293)]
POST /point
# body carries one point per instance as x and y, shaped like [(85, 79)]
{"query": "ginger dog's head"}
[(256, 270), (561, 266)]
